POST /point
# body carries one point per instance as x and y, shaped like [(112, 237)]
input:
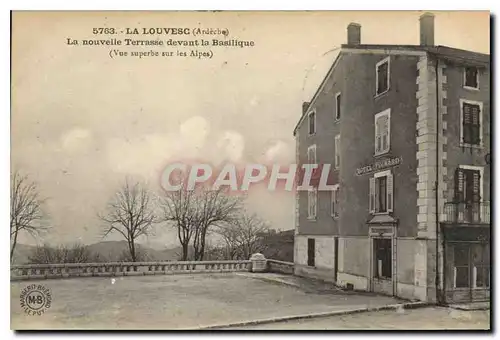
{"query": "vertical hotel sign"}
[(379, 165)]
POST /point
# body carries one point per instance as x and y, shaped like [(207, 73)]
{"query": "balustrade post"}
[(258, 263)]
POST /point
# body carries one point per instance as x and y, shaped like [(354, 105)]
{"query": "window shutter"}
[(390, 193), (332, 203), (378, 136), (337, 151), (315, 200), (476, 183), (475, 136), (372, 195), (459, 185), (337, 200), (467, 121)]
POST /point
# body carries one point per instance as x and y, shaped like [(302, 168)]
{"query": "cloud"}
[(279, 152), (231, 144), (147, 154), (194, 131), (76, 139)]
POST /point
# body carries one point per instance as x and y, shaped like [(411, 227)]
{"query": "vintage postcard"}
[(250, 170)]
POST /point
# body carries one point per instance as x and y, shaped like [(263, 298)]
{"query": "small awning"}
[(383, 219)]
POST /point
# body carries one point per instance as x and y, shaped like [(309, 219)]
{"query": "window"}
[(311, 154), (468, 185), (311, 252), (471, 121), (335, 202), (461, 263), (382, 132), (312, 201), (468, 190), (471, 78), (337, 106), (382, 76), (337, 151), (382, 248), (381, 193), (312, 122), (471, 265)]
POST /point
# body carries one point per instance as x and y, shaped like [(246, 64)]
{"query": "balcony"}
[(467, 213)]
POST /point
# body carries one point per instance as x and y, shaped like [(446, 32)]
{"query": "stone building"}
[(407, 131)]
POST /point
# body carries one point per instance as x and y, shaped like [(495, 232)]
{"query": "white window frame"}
[(481, 141), (312, 213), (315, 160), (387, 113), (333, 196), (337, 108), (309, 123), (465, 79), (385, 173), (383, 61), (337, 152)]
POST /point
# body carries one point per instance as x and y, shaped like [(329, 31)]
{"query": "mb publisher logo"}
[(35, 299)]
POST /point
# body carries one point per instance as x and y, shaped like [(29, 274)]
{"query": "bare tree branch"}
[(243, 236), (26, 214), (130, 213)]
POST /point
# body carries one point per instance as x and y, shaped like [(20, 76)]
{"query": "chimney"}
[(353, 34), (427, 29), (304, 107)]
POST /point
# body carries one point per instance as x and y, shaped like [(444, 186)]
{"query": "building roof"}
[(442, 52), (445, 52)]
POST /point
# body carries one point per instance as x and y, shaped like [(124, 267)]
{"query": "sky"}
[(82, 121)]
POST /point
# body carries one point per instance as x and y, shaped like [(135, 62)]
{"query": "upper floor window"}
[(337, 151), (468, 184), (311, 154), (381, 192), (471, 77), (337, 106), (312, 201), (382, 76), (471, 121), (312, 122), (382, 132), (334, 209)]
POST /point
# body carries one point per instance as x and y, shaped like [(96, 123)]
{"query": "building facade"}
[(407, 132)]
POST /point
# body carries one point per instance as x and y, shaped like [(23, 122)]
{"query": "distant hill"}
[(108, 251), (113, 250), (22, 253)]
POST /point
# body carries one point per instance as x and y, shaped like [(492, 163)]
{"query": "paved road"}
[(176, 301), (429, 318)]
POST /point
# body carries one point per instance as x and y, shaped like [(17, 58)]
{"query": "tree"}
[(26, 213), (194, 212), (244, 236), (75, 253), (179, 209), (214, 208), (131, 214)]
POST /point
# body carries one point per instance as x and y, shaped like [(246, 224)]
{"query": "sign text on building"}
[(379, 165)]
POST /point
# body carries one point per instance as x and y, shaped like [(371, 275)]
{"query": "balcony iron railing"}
[(467, 212)]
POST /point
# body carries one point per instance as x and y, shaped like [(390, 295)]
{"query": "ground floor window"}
[(383, 258), (311, 252), (471, 265)]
